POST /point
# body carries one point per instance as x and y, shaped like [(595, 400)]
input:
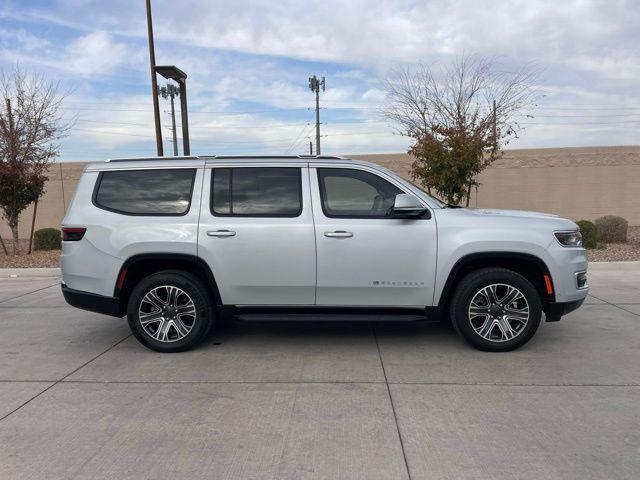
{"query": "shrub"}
[(47, 239), (588, 231), (611, 228)]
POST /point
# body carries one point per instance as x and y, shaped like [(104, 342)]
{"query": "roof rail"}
[(273, 157), (140, 159), (226, 157)]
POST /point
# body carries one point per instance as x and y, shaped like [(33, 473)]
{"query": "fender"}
[(178, 258), (501, 256)]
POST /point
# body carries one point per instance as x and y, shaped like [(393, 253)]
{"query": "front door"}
[(256, 233), (365, 256)]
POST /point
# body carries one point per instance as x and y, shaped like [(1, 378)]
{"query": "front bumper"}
[(563, 264), (555, 310), (92, 302)]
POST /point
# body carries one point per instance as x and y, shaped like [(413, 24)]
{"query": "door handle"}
[(338, 234), (221, 233)]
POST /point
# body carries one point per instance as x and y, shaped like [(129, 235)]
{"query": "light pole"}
[(171, 72), (154, 83)]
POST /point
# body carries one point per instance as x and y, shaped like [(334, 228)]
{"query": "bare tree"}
[(30, 125), (459, 117)]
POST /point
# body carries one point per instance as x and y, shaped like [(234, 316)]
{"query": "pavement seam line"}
[(37, 307), (324, 382), (616, 305), (28, 293), (329, 382), (66, 376), (393, 407)]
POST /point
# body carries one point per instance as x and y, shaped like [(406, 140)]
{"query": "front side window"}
[(146, 192), (256, 191), (354, 193)]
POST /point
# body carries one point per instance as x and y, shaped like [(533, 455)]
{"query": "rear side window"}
[(256, 192), (146, 192)]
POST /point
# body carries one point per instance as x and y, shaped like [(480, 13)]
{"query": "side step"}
[(327, 317), (331, 314)]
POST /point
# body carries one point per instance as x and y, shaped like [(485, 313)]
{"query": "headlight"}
[(569, 239)]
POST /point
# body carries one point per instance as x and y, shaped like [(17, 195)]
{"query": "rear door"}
[(365, 256), (256, 233)]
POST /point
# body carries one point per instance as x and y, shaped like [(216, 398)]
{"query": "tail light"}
[(73, 234)]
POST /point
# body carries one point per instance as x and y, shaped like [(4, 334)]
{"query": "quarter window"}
[(354, 193), (256, 191), (146, 192)]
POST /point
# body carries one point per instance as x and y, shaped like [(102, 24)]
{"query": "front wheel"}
[(170, 311), (496, 309)]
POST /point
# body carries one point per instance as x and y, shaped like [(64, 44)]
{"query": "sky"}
[(248, 64)]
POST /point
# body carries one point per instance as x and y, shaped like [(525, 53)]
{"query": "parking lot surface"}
[(80, 398)]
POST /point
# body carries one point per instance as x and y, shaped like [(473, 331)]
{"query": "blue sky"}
[(248, 64)]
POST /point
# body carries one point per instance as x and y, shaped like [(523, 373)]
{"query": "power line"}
[(242, 126), (586, 116), (630, 119), (221, 112), (110, 133), (633, 122), (101, 132), (300, 135)]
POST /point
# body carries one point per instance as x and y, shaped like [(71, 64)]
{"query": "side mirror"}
[(408, 206)]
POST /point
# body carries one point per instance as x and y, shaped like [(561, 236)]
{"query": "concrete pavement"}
[(80, 398)]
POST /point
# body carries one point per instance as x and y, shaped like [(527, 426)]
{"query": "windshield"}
[(421, 192), (431, 197)]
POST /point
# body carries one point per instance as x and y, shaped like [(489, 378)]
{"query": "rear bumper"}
[(555, 310), (92, 302)]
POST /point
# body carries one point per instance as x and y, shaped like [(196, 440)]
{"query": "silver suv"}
[(180, 243)]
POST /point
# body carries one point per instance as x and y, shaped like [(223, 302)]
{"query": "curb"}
[(29, 272), (613, 266)]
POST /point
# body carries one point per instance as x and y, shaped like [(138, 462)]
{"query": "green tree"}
[(459, 117), (29, 128)]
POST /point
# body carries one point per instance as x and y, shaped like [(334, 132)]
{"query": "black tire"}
[(200, 324), (464, 322)]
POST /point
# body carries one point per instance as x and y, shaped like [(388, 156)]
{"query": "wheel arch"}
[(531, 267), (137, 267)]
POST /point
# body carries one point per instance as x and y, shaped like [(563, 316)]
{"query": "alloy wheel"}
[(167, 313), (499, 312)]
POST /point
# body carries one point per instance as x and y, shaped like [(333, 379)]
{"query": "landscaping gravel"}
[(37, 259), (619, 252), (41, 259)]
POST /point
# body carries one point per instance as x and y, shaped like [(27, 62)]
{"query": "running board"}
[(327, 317), (267, 313)]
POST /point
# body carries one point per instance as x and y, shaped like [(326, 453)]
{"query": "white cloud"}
[(94, 54), (257, 55), (620, 65), (360, 31), (21, 39)]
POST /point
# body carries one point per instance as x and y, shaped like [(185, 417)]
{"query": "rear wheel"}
[(170, 311), (496, 310)]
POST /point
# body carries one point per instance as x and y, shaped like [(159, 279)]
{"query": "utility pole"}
[(495, 126), (171, 91), (33, 226), (314, 85), (154, 82), (64, 202)]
